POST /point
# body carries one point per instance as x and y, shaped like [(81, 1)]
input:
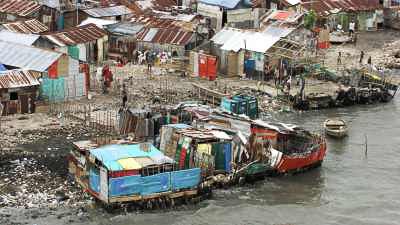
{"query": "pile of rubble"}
[(391, 56)]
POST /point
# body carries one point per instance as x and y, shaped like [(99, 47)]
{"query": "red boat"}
[(291, 149)]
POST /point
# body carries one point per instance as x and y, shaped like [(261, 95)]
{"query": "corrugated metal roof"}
[(28, 27), (178, 17), (19, 7), (235, 40), (26, 57), (110, 154), (327, 7), (76, 35), (101, 23), (55, 4), (125, 28), (147, 5), (278, 31), (109, 11), (229, 4), (18, 79), (19, 38), (165, 36), (154, 22)]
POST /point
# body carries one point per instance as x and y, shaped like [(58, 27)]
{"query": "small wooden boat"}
[(335, 127)]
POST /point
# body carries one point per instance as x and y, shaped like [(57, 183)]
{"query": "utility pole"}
[(77, 12)]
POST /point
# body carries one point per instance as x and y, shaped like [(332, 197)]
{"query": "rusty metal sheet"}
[(76, 35), (19, 7), (327, 7), (28, 27), (18, 79)]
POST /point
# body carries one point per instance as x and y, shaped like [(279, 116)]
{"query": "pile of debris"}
[(391, 57), (28, 184)]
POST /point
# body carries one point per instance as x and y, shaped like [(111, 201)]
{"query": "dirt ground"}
[(379, 45)]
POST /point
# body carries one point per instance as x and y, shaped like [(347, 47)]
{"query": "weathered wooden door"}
[(24, 102)]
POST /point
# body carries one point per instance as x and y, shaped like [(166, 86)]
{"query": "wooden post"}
[(366, 145)]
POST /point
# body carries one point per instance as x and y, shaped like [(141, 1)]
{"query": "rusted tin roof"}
[(108, 11), (327, 7), (18, 79), (19, 7), (76, 35), (155, 22), (33, 26), (165, 36)]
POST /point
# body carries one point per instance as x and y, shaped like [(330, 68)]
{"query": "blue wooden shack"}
[(133, 172)]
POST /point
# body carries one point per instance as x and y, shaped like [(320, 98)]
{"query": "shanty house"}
[(129, 172), (244, 51), (122, 40), (19, 10), (234, 13), (87, 43), (18, 56), (368, 15), (18, 91), (60, 74), (32, 26), (115, 13), (175, 41)]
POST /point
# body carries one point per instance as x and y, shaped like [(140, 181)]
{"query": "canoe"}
[(335, 128)]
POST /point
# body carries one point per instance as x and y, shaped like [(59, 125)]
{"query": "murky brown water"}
[(351, 187)]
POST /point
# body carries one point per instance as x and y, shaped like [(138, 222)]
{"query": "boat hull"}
[(297, 163), (336, 133)]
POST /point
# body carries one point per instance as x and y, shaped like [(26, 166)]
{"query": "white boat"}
[(335, 127)]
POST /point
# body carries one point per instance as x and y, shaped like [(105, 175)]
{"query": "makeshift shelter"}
[(234, 13), (87, 43), (210, 150), (129, 172), (122, 41), (243, 51), (18, 91), (175, 41), (20, 10)]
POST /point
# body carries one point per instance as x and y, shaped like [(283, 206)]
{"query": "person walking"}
[(352, 27), (339, 59), (124, 96), (149, 59), (370, 61), (361, 57)]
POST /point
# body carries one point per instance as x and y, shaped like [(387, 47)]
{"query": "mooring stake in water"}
[(366, 145)]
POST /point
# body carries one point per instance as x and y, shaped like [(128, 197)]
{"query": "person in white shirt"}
[(352, 27), (339, 27)]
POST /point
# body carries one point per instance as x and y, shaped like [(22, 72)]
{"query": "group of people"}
[(362, 54), (149, 58)]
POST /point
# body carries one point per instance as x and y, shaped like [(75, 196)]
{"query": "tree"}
[(309, 19)]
